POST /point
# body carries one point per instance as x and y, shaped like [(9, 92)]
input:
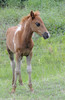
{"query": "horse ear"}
[(32, 15)]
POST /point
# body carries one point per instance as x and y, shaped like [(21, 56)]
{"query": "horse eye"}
[(37, 24)]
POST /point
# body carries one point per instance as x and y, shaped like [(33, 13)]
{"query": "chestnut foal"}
[(19, 41)]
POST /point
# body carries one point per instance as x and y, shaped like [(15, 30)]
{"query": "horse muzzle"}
[(46, 35)]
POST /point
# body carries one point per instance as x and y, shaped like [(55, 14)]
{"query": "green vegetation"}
[(48, 61)]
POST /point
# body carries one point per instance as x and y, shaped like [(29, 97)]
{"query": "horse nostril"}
[(46, 35)]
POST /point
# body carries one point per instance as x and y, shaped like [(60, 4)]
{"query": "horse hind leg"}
[(11, 56), (17, 71)]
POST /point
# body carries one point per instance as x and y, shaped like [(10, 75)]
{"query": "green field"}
[(48, 61)]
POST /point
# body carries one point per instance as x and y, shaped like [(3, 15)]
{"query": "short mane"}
[(24, 19)]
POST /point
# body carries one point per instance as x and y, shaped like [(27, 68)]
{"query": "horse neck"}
[(27, 34)]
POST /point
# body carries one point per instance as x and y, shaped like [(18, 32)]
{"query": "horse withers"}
[(19, 42)]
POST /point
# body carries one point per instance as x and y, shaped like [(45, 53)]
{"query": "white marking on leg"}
[(29, 68), (13, 70), (18, 67), (12, 64), (17, 70)]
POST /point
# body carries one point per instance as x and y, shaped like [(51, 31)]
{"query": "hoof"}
[(13, 89), (31, 89)]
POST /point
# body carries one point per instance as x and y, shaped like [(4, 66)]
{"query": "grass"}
[(48, 89), (48, 71), (52, 14), (48, 61)]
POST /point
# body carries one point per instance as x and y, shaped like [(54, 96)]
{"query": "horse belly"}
[(26, 52)]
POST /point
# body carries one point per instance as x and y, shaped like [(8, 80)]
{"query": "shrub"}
[(3, 3)]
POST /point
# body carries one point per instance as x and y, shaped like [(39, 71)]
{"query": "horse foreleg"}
[(29, 70), (20, 79)]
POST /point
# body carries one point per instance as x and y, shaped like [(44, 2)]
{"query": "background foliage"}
[(48, 61)]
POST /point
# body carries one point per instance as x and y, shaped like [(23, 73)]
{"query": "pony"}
[(19, 42)]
